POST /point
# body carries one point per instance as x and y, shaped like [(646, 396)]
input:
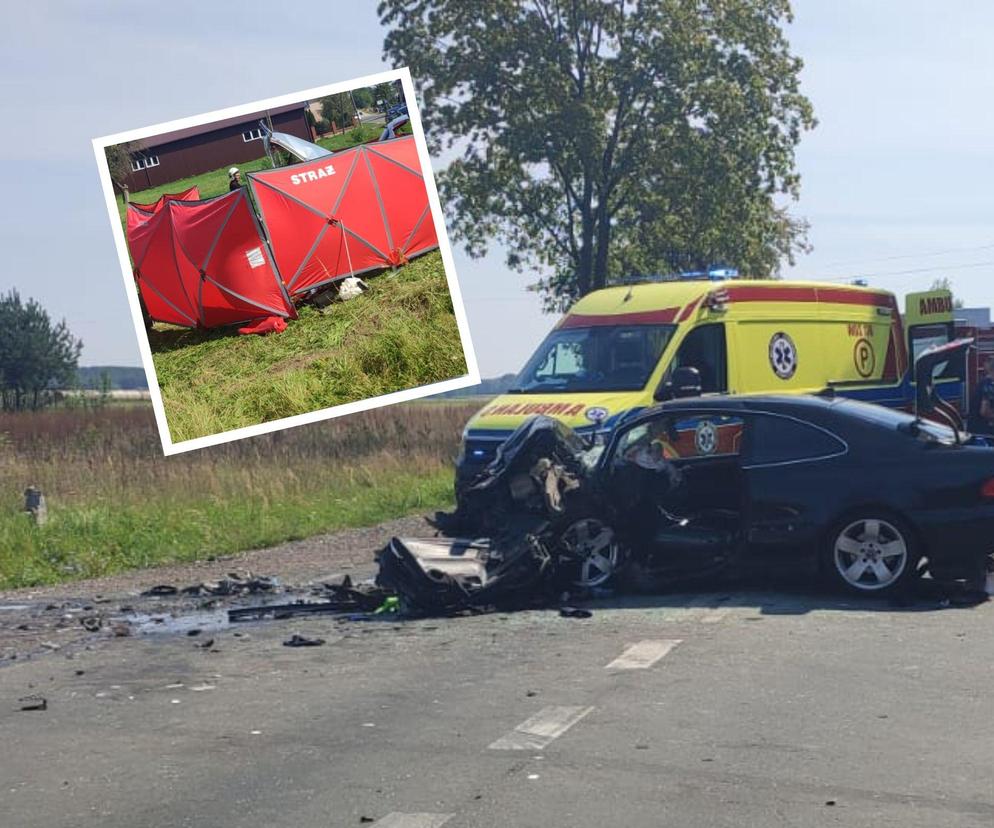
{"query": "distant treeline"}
[(117, 377), (487, 388)]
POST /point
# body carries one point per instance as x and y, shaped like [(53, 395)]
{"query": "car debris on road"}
[(33, 702), (234, 584), (297, 640)]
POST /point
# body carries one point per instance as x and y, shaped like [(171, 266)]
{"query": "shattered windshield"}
[(599, 358)]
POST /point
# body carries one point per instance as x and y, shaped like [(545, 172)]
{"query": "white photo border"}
[(471, 377)]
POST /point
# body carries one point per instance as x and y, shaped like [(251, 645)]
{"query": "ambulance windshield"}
[(599, 358)]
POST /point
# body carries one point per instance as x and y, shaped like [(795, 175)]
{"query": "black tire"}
[(871, 552)]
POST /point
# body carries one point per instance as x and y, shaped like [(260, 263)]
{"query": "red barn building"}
[(195, 150)]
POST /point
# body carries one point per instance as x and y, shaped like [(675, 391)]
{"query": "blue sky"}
[(898, 176)]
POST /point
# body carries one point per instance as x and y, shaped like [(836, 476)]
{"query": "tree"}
[(337, 110), (944, 283), (119, 158), (385, 95), (35, 355), (364, 98), (598, 139)]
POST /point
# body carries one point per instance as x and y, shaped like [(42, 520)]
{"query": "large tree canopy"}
[(597, 139)]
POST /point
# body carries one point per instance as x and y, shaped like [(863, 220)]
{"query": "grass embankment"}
[(400, 334), (115, 502)]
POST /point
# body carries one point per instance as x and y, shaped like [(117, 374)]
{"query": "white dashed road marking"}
[(643, 655), (535, 733), (396, 820)]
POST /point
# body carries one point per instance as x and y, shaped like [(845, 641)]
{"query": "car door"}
[(790, 466), (684, 463)]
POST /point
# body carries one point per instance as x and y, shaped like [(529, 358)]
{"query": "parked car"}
[(396, 111)]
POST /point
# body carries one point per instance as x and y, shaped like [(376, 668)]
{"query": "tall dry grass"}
[(115, 501)]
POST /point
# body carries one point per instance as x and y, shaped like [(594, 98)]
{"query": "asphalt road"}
[(734, 709)]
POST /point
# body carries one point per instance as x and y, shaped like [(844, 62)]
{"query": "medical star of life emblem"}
[(783, 355), (706, 437)]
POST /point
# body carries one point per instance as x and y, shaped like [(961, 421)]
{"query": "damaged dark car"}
[(867, 497)]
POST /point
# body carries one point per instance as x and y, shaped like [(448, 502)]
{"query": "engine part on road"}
[(445, 576)]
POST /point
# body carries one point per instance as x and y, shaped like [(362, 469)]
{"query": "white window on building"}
[(143, 162), (252, 135)]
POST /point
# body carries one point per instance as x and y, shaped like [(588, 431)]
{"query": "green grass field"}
[(115, 502), (400, 334)]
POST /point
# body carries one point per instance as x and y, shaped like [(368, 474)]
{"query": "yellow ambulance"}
[(617, 349)]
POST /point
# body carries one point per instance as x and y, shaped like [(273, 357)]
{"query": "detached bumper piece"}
[(449, 576)]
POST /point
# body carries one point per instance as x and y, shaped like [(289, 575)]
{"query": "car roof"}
[(672, 295), (796, 405), (741, 401)]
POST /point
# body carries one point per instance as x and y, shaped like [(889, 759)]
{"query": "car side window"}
[(704, 349), (784, 440), (680, 436)]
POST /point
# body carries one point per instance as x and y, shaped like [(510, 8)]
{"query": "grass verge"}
[(116, 503), (401, 334), (91, 540)]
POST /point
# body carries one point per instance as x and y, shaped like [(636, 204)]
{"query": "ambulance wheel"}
[(871, 552), (593, 552)]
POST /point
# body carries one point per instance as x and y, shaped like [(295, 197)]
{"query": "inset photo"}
[(286, 261)]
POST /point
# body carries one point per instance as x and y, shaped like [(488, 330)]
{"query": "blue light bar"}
[(716, 274)]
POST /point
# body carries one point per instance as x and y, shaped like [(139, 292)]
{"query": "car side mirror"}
[(664, 391), (685, 382)]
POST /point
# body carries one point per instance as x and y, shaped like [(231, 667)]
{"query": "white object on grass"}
[(351, 287)]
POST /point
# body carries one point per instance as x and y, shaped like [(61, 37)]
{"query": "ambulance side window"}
[(704, 349)]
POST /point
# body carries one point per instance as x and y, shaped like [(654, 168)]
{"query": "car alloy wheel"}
[(595, 550), (870, 554)]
